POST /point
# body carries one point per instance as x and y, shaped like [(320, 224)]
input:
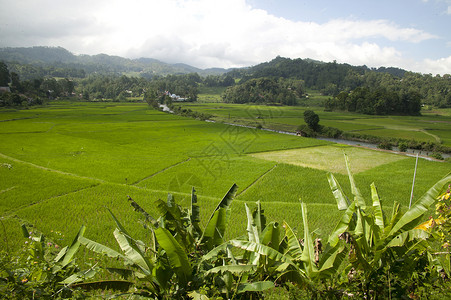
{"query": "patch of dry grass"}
[(330, 158)]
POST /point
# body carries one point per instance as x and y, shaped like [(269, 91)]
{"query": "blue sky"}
[(414, 35)]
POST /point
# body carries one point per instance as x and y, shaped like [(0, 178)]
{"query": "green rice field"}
[(64, 164), (431, 126)]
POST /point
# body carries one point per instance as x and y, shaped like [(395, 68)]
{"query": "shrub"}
[(437, 155), (385, 145), (402, 146)]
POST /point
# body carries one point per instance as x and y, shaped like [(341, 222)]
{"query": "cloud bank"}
[(207, 33)]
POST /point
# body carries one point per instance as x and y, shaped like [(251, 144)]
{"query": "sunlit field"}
[(430, 127), (63, 165)]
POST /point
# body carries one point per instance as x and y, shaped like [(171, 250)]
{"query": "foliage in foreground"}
[(368, 255)]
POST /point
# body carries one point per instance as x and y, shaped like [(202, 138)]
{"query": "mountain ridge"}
[(45, 56)]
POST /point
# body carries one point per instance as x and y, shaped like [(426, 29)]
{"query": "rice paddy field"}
[(65, 164), (431, 126)]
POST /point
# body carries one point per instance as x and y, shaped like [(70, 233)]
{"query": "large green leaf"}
[(411, 218), (138, 208), (25, 233), (216, 225), (176, 254), (259, 218), (332, 259), (226, 200), (133, 252), (308, 253), (358, 198), (214, 252), (267, 251), (293, 249), (342, 226), (258, 286), (271, 235), (99, 248), (79, 276), (337, 191), (252, 230), (377, 207), (215, 229), (235, 269), (73, 248)]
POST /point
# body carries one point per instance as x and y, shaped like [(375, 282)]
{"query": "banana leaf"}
[(178, 258), (378, 212), (79, 276), (215, 229), (343, 225), (25, 233), (332, 259), (358, 198), (73, 248), (216, 225), (271, 235), (293, 249), (214, 252), (234, 269), (132, 252), (268, 252), (412, 217), (101, 249), (308, 253), (337, 191), (252, 229), (258, 286), (259, 218)]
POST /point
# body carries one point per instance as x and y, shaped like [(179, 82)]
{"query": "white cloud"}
[(204, 33), (428, 66)]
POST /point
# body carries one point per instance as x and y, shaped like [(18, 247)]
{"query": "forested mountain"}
[(386, 90), (36, 62)]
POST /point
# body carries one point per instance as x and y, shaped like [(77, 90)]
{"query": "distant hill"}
[(42, 61), (46, 59), (315, 74)]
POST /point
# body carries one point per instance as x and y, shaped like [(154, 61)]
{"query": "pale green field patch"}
[(330, 158)]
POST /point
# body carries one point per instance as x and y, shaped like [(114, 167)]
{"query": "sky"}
[(411, 34)]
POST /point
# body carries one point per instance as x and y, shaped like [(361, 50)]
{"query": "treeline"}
[(265, 91), (98, 87), (333, 78), (379, 101), (37, 71), (17, 92), (43, 84)]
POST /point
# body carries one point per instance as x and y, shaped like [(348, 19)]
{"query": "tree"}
[(4, 74), (16, 86), (311, 119)]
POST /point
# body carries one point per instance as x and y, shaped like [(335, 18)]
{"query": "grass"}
[(321, 157), (73, 160), (432, 126)]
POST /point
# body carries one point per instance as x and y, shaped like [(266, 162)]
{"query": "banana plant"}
[(287, 259), (180, 254), (375, 241)]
